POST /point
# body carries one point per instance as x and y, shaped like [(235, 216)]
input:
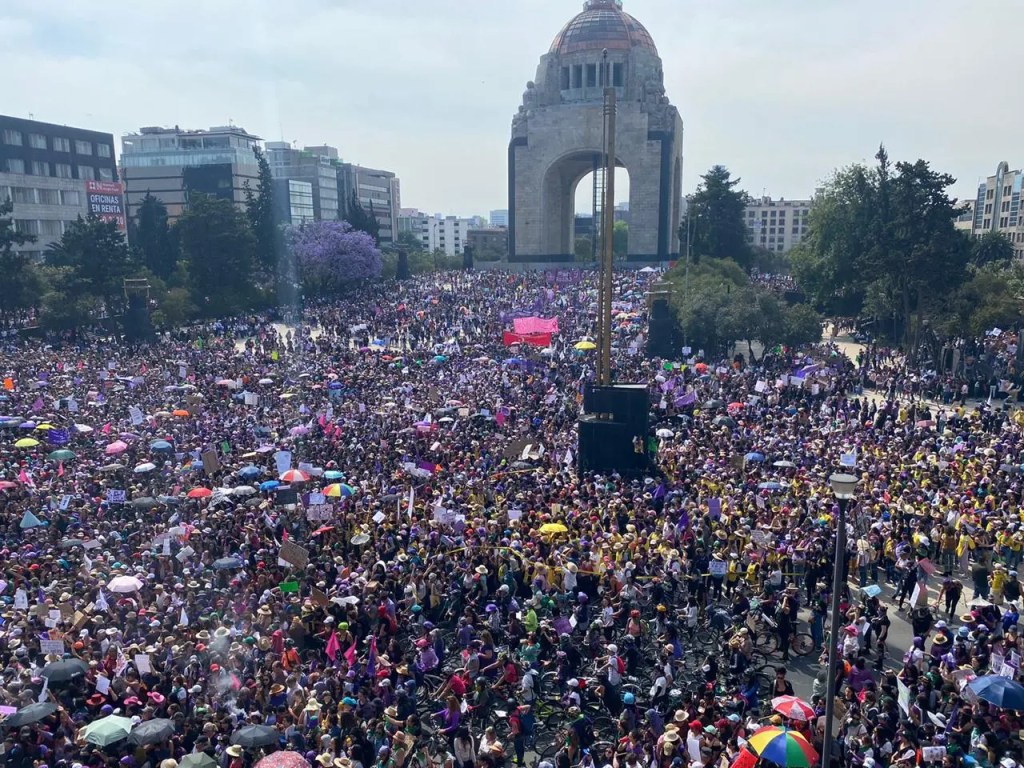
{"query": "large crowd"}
[(361, 539)]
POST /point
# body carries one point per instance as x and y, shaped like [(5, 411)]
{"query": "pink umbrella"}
[(116, 447), (283, 759), (295, 476)]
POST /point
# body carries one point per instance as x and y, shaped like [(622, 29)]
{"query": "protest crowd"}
[(361, 540)]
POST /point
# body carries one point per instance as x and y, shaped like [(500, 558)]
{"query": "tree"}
[(97, 259), (218, 249), (584, 249), (620, 239), (716, 224), (802, 326), (409, 241), (20, 287), (331, 254), (991, 248), (362, 221), (259, 208), (151, 236)]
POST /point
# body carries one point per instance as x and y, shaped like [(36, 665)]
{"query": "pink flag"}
[(333, 646), (24, 479), (531, 325), (323, 420), (106, 428), (350, 655), (60, 469)]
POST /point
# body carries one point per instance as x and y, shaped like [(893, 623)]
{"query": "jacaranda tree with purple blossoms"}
[(330, 254)]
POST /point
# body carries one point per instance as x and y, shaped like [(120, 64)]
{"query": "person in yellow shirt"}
[(997, 583)]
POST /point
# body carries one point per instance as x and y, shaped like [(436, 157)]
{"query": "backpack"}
[(620, 665)]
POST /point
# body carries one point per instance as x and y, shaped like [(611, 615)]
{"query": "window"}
[(14, 165), (106, 174), (61, 145), (62, 170), (50, 227), (1005, 208), (773, 212), (39, 168), (86, 172), (987, 224), (1002, 222), (27, 226), (83, 147), (1006, 189), (989, 194), (796, 230), (591, 75), (565, 78), (988, 208), (12, 137), (618, 79), (37, 141), (48, 196), (103, 150), (23, 195)]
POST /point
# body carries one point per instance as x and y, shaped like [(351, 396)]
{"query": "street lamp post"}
[(843, 486)]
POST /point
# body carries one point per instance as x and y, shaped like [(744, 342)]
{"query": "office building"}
[(293, 202), (54, 174), (418, 223), (777, 225), (499, 217), (488, 244), (374, 188), (997, 207), (315, 165), (965, 221), (171, 163), (437, 232)]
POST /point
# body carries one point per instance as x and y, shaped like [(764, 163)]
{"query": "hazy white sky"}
[(780, 91)]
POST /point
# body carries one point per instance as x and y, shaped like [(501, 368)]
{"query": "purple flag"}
[(38, 404), (688, 399)]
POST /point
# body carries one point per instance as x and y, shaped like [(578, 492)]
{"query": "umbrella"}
[(144, 501), (269, 485), (725, 421), (145, 467), (181, 413), (663, 432), (1004, 692), (322, 529), (107, 730), (283, 759), (153, 731), (243, 490), (62, 454), (783, 747), (553, 528), (793, 707), (83, 428), (295, 476), (783, 464), (771, 485), (6, 485), (333, 474), (199, 493), (33, 713), (197, 760), (249, 472), (161, 445), (360, 538), (754, 456), (112, 467), (60, 672), (124, 584), (27, 425), (714, 403), (872, 590), (26, 442), (116, 447), (265, 381), (338, 489), (584, 345), (227, 563), (255, 736)]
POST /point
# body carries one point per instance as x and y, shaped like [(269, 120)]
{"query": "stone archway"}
[(558, 198)]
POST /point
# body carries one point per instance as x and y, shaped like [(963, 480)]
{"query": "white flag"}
[(101, 602), (567, 461), (412, 501), (44, 694), (183, 619)]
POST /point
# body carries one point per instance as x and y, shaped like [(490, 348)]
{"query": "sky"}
[(782, 92)]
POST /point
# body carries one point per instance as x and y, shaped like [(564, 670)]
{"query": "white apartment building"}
[(438, 232), (998, 206), (777, 225)]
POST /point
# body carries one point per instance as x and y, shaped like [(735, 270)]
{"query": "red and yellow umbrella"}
[(783, 747)]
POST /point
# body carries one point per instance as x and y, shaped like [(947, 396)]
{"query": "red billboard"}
[(106, 200)]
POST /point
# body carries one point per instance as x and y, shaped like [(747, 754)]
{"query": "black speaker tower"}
[(613, 429)]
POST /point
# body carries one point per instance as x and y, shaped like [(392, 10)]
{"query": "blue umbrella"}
[(1001, 691), (249, 471), (770, 486), (872, 590), (439, 358), (269, 485), (754, 456), (160, 445), (333, 474)]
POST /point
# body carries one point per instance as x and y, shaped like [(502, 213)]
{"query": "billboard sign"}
[(106, 200)]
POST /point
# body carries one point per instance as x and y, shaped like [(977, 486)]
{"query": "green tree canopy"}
[(714, 219), (151, 236), (991, 248), (361, 219), (259, 209), (20, 287), (96, 260)]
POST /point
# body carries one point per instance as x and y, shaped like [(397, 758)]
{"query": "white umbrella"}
[(124, 584), (665, 433), (243, 490), (83, 428), (146, 467)]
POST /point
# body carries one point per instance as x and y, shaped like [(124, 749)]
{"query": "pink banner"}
[(536, 339), (536, 325)]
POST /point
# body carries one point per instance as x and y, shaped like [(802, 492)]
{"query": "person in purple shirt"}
[(861, 675)]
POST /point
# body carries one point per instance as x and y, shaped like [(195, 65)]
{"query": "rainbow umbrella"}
[(338, 489), (782, 747)]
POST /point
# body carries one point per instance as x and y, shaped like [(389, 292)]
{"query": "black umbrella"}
[(227, 563), (255, 736), (714, 403), (153, 731), (725, 421), (198, 760), (66, 671), (33, 713), (144, 501)]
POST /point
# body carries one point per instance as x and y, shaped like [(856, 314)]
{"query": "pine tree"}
[(259, 208)]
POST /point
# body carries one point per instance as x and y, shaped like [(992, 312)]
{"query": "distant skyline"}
[(781, 93)]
